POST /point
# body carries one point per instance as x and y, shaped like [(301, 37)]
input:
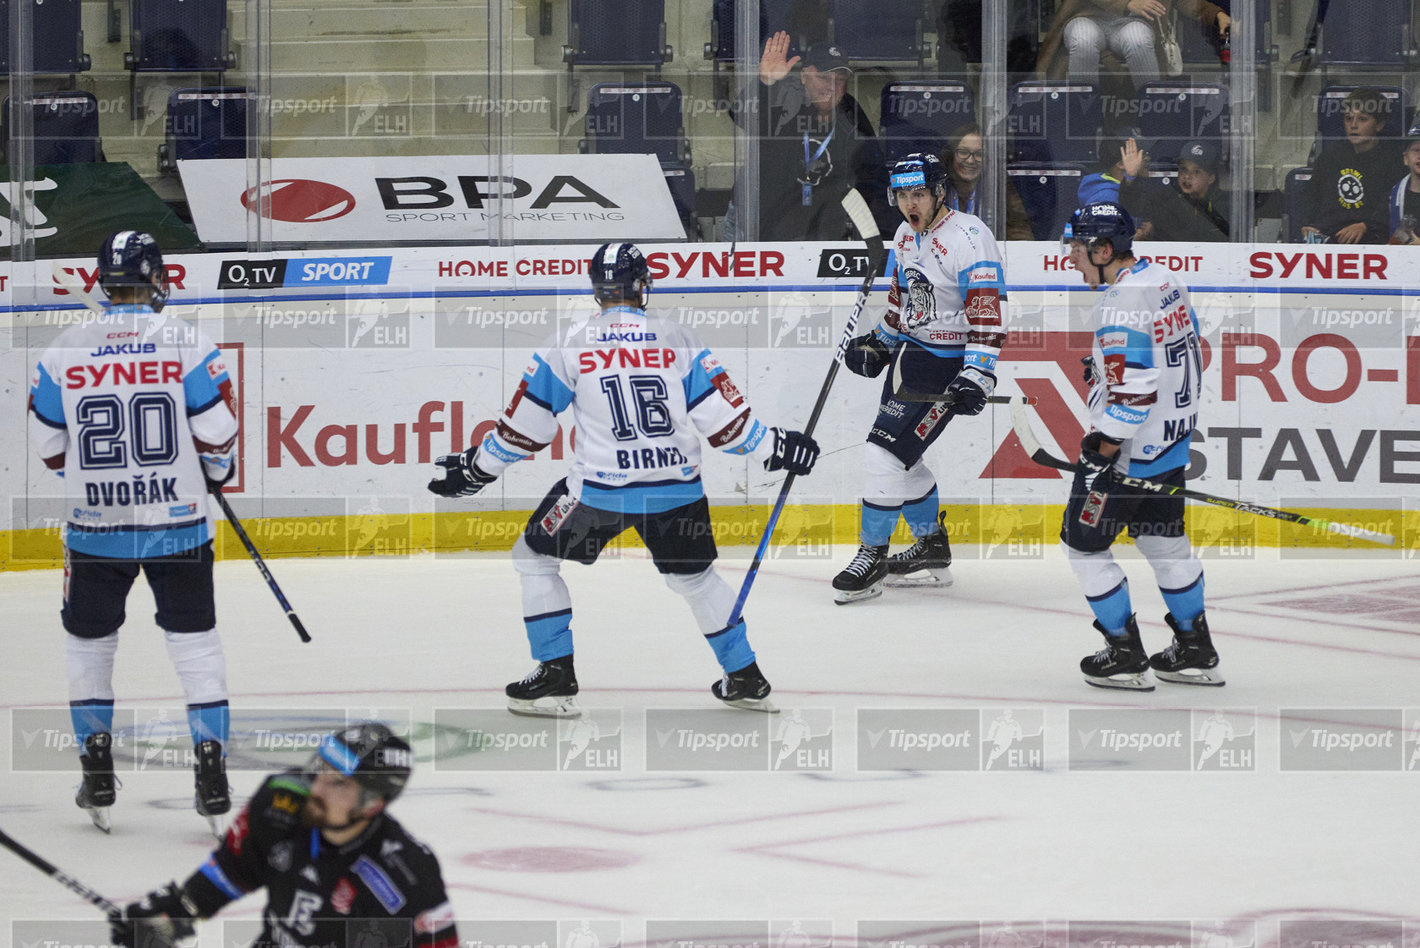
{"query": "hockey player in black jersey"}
[(333, 863)]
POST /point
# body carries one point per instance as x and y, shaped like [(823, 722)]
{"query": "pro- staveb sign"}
[(564, 198)]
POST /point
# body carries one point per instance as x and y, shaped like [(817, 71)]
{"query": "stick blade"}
[(863, 221)]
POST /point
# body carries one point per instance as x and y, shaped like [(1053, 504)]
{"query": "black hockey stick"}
[(1021, 424), (58, 875), (260, 563), (867, 228)]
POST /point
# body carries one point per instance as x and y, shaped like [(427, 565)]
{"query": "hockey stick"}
[(58, 875), (216, 490), (1021, 424), (867, 228), (75, 288)]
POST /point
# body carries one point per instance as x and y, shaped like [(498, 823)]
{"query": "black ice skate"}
[(924, 563), (1191, 659), (863, 578), (100, 788), (214, 796), (746, 688), (548, 692), (1122, 663)]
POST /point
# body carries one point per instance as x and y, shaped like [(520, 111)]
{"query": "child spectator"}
[(1347, 199), (1193, 209), (1405, 197)]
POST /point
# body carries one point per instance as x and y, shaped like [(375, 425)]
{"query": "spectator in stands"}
[(1347, 201), (964, 158), (1121, 162), (959, 37), (1405, 197), (1193, 209), (815, 142), (1127, 28)]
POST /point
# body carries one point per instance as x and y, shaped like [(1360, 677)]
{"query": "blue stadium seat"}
[(204, 123), (886, 31), (1294, 189), (1367, 33), (59, 38), (1174, 113), (636, 118), (773, 16), (178, 36), (1053, 122), (66, 127), (918, 116), (616, 33), (1049, 193)]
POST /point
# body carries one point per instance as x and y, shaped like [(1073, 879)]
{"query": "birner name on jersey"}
[(643, 459)]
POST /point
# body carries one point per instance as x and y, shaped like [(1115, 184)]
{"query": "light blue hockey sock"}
[(1113, 609), (90, 717), (1185, 604), (921, 514), (876, 524), (550, 634), (209, 722), (731, 647)]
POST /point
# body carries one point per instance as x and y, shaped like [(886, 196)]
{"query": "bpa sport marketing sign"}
[(566, 198)]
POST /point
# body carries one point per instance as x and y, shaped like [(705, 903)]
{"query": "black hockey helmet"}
[(131, 258), (1102, 221), (921, 169), (620, 274), (370, 754)]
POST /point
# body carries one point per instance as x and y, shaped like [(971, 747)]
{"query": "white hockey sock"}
[(544, 590), (710, 598), (887, 483), (200, 665), (90, 663)]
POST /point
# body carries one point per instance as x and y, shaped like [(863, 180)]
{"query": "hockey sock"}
[(921, 514), (547, 604), (549, 635), (731, 647), (711, 600), (197, 657), (1103, 582), (1112, 609), (90, 665), (1185, 604), (877, 523), (1179, 575)]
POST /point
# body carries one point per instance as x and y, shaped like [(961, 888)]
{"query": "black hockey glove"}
[(462, 477), (867, 356), (967, 393), (794, 452), (162, 919), (1099, 469)]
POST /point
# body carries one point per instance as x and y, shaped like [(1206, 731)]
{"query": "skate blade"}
[(753, 704), (923, 577), (100, 817), (1139, 682), (1193, 676), (548, 706), (217, 826), (843, 597)]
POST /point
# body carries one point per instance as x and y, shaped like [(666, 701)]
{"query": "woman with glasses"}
[(965, 158)]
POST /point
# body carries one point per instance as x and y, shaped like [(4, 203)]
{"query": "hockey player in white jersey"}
[(135, 410), (1145, 387), (642, 390), (942, 334)]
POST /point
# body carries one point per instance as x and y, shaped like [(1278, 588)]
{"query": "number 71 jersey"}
[(1149, 364)]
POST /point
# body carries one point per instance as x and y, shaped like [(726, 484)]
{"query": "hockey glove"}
[(163, 919), (1092, 376), (967, 393), (794, 452), (1098, 468), (462, 477), (867, 356)]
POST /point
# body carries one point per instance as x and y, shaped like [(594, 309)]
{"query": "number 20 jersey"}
[(1149, 363), (642, 390)]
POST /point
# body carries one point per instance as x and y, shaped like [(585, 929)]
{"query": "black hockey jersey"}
[(383, 886)]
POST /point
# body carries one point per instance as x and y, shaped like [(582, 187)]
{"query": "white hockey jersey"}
[(642, 391), (1150, 367), (129, 406), (948, 292)]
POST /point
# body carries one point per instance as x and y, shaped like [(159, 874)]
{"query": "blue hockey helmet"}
[(370, 754), (921, 169), (620, 274), (131, 258), (1102, 221)]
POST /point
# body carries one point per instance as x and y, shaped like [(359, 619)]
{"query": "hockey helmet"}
[(370, 754), (620, 274), (1102, 221), (131, 258), (918, 170)]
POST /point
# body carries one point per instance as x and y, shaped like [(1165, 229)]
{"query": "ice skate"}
[(213, 797), (863, 578), (1191, 659), (99, 790), (746, 688), (925, 563), (549, 691), (1122, 663)]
